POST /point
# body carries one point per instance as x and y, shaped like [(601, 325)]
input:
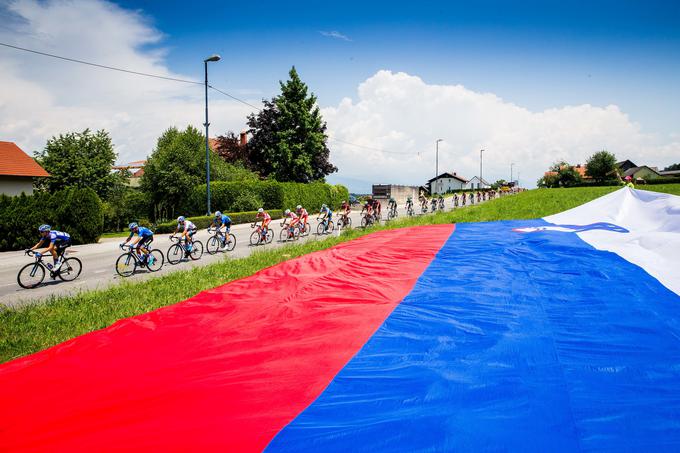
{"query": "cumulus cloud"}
[(43, 97), (397, 118), (335, 35)]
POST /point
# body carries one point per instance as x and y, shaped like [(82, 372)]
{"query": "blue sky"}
[(537, 54), (530, 82)]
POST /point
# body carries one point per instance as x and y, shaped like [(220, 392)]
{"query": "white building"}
[(477, 183), (446, 182)]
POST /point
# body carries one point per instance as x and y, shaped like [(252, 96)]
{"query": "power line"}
[(174, 79), (128, 71)]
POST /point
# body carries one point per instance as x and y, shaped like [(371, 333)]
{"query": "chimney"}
[(454, 173), (243, 139)]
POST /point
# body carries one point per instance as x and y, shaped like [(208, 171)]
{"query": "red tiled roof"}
[(138, 173), (15, 162)]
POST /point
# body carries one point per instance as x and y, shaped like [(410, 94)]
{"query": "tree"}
[(601, 165), (79, 159), (672, 167), (176, 166), (498, 184), (289, 136), (561, 174), (229, 148)]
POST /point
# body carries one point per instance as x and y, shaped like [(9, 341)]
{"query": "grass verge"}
[(31, 328)]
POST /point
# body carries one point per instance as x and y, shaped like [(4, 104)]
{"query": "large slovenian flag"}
[(554, 334)]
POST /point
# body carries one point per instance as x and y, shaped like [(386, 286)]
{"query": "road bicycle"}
[(304, 229), (33, 274), (259, 237), (220, 241), (289, 233), (344, 221), (367, 220), (325, 226), (441, 204), (129, 261), (423, 207), (181, 250)]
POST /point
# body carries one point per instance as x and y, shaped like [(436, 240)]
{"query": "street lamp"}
[(480, 167), (206, 124), (511, 165), (436, 170)]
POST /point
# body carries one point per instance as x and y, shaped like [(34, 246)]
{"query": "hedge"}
[(78, 212), (227, 196), (664, 180), (205, 221)]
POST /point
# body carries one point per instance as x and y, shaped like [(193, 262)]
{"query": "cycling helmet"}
[(44, 227), (133, 225), (323, 206), (218, 214), (287, 211), (261, 210), (181, 219), (343, 202), (298, 207)]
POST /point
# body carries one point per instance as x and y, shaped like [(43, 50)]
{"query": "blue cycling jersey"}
[(59, 236), (327, 211), (225, 219), (142, 232)]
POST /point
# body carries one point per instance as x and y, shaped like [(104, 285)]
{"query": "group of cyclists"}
[(54, 243)]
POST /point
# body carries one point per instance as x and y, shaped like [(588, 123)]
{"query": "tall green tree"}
[(601, 165), (80, 159), (561, 174), (176, 166), (672, 167), (289, 135)]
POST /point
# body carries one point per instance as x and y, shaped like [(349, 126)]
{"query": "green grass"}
[(119, 234), (665, 188), (31, 328)]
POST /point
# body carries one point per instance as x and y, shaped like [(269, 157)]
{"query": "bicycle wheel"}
[(70, 269), (196, 250), (320, 228), (31, 275), (175, 254), (231, 243), (126, 264), (255, 238), (330, 228), (157, 262), (364, 222), (213, 245), (270, 236), (306, 230), (284, 235)]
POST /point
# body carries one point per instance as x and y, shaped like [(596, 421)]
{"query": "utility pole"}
[(512, 164), (436, 168), (206, 124), (481, 151)]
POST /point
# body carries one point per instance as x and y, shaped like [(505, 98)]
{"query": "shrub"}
[(247, 202), (204, 221), (78, 212), (664, 180)]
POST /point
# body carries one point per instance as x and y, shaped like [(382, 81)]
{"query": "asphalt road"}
[(99, 262)]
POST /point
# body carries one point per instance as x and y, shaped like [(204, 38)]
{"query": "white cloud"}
[(402, 114), (42, 97), (335, 35)]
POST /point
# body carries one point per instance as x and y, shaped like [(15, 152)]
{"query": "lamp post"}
[(512, 164), (481, 151), (436, 168), (206, 124)]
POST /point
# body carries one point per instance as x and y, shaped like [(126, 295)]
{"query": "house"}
[(399, 193), (136, 170), (625, 165), (446, 182), (580, 169), (477, 183), (17, 170), (640, 173), (670, 173)]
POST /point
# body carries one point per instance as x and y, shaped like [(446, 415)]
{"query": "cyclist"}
[(377, 209), (441, 202), (409, 205), (326, 215), (423, 203), (143, 239), (455, 200), (55, 242), (266, 220), (188, 230), (303, 215), (222, 220), (368, 207), (344, 212), (293, 220), (392, 206)]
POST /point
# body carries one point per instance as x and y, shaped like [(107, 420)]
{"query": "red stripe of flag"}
[(226, 369)]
